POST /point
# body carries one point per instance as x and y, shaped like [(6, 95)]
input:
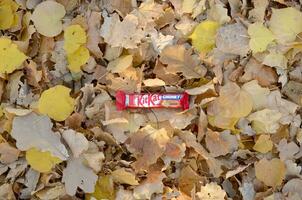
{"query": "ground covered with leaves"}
[(61, 63)]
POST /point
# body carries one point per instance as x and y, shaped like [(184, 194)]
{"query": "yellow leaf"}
[(77, 59), (10, 56), (47, 18), (270, 172), (104, 189), (56, 103), (263, 144), (74, 37), (260, 37), (8, 16), (204, 35), (41, 161), (285, 24)]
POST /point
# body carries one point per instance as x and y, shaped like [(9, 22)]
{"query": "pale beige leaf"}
[(124, 177), (155, 82)]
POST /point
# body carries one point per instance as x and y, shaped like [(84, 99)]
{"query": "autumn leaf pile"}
[(61, 63)]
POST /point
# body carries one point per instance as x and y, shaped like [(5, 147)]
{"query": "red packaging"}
[(151, 100)]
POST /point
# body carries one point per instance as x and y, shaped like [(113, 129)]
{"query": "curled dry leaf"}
[(120, 64), (264, 75)]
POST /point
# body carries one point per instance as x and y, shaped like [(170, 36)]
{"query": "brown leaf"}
[(148, 144), (271, 172), (220, 143), (152, 185), (33, 75), (93, 39), (265, 76), (180, 59), (8, 154), (189, 179)]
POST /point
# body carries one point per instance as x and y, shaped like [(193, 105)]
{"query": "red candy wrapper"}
[(151, 100)]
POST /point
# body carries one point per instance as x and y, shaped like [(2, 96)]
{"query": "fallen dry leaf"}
[(63, 61), (270, 172), (34, 131), (180, 59), (47, 18), (148, 144)]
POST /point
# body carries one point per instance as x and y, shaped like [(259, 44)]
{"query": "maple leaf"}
[(220, 143), (223, 112), (148, 144), (76, 174), (125, 34), (34, 131), (180, 59)]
